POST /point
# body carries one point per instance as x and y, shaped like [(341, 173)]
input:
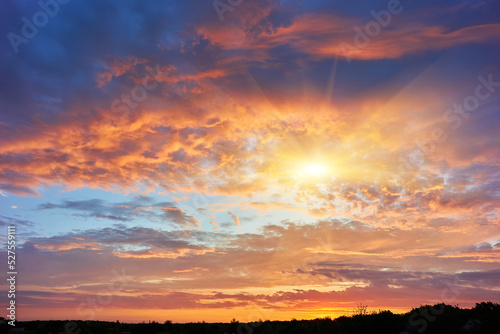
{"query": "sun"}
[(315, 170)]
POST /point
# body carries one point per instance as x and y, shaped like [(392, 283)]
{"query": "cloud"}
[(236, 219), (215, 113), (19, 190), (330, 251), (7, 221), (180, 218), (274, 269), (142, 206), (116, 68), (324, 36)]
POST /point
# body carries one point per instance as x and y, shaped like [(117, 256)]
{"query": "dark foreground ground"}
[(440, 318)]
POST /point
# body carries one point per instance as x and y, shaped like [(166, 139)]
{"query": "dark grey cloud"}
[(140, 207), (5, 221)]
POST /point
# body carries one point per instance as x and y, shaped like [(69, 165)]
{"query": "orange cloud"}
[(330, 35), (117, 67)]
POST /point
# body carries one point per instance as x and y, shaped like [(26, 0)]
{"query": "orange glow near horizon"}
[(207, 315)]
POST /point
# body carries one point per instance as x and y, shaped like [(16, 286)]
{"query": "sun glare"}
[(315, 170)]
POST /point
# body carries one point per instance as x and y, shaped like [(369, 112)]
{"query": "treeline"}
[(439, 318)]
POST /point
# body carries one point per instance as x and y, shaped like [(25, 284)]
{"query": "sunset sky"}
[(208, 160)]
